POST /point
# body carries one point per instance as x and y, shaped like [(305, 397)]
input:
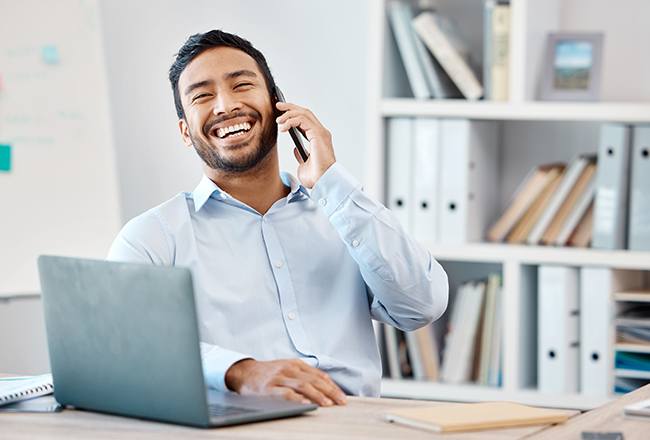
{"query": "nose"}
[(225, 103)]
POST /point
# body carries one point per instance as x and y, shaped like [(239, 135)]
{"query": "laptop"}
[(123, 339)]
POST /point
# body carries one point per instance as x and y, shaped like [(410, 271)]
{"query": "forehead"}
[(216, 64)]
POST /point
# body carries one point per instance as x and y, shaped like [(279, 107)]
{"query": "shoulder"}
[(149, 236)]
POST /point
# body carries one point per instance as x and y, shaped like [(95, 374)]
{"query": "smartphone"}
[(295, 134)]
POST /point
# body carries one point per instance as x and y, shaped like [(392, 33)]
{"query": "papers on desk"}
[(475, 416), (24, 394)]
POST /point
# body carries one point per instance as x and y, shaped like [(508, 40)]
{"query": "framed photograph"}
[(572, 67)]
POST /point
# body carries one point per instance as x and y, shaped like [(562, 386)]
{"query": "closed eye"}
[(202, 95)]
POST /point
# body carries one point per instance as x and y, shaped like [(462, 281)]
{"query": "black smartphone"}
[(295, 134)]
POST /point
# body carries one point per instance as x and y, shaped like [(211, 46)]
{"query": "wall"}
[(316, 50)]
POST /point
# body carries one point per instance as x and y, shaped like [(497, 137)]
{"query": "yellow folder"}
[(475, 416)]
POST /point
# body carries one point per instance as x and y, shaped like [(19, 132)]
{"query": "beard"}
[(246, 162)]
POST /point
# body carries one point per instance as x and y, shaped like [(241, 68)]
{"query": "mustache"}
[(207, 128)]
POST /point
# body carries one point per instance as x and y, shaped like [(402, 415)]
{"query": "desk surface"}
[(606, 418), (361, 418)]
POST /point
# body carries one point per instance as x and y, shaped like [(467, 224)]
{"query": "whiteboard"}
[(60, 194)]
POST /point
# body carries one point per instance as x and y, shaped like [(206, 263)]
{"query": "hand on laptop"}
[(289, 379)]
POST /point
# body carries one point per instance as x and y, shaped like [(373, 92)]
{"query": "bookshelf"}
[(530, 132)]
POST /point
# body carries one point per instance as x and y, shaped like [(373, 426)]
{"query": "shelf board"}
[(634, 374), (412, 389), (641, 295), (534, 255), (527, 111), (636, 348)]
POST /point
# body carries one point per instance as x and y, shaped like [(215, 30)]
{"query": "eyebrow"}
[(231, 75)]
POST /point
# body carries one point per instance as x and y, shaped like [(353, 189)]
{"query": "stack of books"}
[(632, 356), (553, 205), (579, 204), (471, 351), (472, 346)]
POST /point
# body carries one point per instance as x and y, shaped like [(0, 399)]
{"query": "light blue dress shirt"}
[(302, 281)]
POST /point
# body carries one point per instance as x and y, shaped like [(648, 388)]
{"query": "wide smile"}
[(232, 131)]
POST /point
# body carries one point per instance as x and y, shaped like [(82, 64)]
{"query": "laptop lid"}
[(123, 338)]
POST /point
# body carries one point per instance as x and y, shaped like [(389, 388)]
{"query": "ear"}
[(185, 132)]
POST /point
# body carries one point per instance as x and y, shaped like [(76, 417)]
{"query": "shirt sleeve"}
[(144, 240), (407, 287)]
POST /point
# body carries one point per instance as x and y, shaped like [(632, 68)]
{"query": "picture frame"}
[(572, 67)]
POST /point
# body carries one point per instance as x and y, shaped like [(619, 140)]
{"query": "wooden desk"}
[(608, 418), (361, 418)]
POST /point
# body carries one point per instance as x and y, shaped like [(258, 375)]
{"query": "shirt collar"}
[(207, 187)]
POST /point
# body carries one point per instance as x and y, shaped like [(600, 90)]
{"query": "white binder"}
[(597, 284), (610, 205), (426, 179), (400, 160), (468, 171), (639, 221), (558, 324)]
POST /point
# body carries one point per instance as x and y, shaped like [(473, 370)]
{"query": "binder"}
[(639, 221), (610, 205), (400, 152), (597, 285), (398, 15), (426, 179), (468, 172), (558, 326)]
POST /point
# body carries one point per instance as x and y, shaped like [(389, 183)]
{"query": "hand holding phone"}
[(295, 134)]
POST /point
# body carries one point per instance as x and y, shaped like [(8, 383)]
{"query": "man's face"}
[(229, 117)]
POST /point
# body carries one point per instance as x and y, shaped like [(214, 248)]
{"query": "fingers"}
[(290, 379), (317, 386)]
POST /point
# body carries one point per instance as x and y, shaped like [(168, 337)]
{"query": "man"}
[(288, 274)]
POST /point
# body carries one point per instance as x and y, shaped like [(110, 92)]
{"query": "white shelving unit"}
[(531, 132)]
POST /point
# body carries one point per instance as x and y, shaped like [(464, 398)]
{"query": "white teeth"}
[(222, 132)]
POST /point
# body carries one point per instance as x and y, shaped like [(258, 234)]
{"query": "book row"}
[(471, 351), (439, 62), (588, 332)]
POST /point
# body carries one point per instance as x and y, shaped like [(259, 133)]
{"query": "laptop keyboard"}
[(220, 410)]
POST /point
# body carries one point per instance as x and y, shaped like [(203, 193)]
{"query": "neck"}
[(258, 188)]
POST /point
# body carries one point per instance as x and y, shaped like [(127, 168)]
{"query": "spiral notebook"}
[(30, 393)]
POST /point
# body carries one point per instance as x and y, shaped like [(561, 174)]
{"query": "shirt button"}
[(355, 243), (291, 316), (322, 202), (223, 195), (266, 220), (278, 263)]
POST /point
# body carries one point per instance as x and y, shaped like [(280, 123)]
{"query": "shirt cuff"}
[(333, 188), (215, 364)]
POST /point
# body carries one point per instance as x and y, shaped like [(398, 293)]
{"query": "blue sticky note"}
[(50, 54), (5, 158)]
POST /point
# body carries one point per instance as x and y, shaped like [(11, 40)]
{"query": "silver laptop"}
[(123, 339)]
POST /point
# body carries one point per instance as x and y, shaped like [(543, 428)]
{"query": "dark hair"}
[(198, 43)]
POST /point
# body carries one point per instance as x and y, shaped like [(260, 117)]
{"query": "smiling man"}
[(288, 273)]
